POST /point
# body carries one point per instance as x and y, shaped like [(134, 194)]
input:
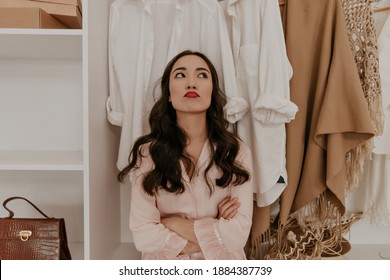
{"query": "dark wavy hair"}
[(167, 141)]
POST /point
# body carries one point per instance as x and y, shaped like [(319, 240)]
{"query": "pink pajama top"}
[(218, 238)]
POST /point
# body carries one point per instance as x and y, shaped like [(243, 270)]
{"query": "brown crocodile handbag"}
[(31, 238)]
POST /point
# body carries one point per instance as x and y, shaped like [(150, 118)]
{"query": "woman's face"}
[(190, 85)]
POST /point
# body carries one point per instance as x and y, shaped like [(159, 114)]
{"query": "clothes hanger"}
[(283, 2), (381, 9)]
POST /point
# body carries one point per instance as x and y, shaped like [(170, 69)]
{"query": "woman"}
[(191, 189)]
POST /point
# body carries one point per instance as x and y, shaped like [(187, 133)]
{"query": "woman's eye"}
[(202, 75), (179, 75)]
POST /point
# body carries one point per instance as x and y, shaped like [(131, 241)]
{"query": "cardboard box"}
[(28, 18), (67, 14), (77, 3)]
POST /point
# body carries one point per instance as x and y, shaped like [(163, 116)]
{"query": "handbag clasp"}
[(25, 234)]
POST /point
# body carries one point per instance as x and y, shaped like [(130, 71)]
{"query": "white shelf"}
[(34, 31), (40, 43), (127, 251), (41, 160), (76, 250)]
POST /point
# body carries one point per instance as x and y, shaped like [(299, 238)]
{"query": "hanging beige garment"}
[(333, 118), (374, 189), (363, 41)]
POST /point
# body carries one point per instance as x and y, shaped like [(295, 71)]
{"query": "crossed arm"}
[(227, 209)]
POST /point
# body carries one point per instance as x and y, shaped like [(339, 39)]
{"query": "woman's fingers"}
[(231, 211), (224, 201), (227, 208)]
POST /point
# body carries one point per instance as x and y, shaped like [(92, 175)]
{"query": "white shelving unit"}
[(41, 124), (56, 146)]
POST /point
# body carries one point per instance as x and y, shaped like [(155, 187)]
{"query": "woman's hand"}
[(227, 208)]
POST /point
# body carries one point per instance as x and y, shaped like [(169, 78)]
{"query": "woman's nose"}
[(190, 84)]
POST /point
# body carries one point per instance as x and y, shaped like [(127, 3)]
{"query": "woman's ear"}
[(169, 99)]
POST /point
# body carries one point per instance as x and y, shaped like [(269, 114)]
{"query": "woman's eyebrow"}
[(202, 69), (179, 68), (197, 69)]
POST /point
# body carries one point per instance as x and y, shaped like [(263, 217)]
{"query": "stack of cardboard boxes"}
[(41, 14)]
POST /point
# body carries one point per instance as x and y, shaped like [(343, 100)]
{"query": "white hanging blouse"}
[(263, 74)]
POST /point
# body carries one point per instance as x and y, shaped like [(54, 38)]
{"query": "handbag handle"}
[(11, 213)]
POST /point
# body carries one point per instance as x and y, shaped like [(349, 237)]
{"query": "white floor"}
[(368, 242), (357, 252), (368, 252)]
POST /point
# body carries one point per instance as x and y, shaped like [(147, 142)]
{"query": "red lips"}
[(191, 94)]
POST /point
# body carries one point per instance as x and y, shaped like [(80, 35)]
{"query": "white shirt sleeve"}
[(114, 104), (273, 104)]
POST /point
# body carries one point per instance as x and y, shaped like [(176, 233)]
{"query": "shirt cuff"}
[(113, 117), (270, 109), (173, 247), (210, 240), (235, 109)]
